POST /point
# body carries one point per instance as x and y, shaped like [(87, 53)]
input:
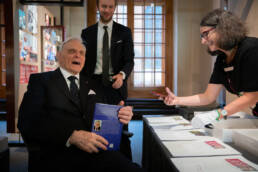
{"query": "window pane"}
[(149, 36), (138, 9), (138, 36), (120, 14), (138, 79), (138, 65), (149, 65), (120, 9), (138, 50), (158, 51), (148, 21), (149, 51), (138, 23), (158, 36), (158, 79), (149, 79), (158, 21), (158, 65), (149, 9), (158, 9)]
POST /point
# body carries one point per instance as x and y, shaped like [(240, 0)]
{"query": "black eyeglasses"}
[(206, 33)]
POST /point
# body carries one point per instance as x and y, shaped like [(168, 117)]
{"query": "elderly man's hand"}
[(125, 114), (88, 141)]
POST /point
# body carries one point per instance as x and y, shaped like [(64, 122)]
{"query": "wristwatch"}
[(224, 113)]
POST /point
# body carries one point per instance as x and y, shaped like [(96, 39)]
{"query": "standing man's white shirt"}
[(101, 31)]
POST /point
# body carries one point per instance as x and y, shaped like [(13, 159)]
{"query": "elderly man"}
[(57, 112)]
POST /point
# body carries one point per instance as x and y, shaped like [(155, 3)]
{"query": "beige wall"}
[(193, 62), (74, 19)]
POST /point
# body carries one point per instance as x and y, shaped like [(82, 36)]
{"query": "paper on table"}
[(201, 119), (209, 147), (169, 126), (214, 164), (195, 134), (167, 119)]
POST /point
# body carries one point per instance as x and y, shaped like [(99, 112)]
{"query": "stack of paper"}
[(214, 164), (247, 139), (168, 135), (206, 147)]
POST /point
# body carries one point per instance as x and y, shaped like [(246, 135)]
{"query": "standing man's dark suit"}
[(51, 119), (122, 59), (122, 53)]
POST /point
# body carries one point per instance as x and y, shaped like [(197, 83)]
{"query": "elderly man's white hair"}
[(60, 47)]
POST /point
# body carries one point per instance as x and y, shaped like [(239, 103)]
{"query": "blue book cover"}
[(106, 124)]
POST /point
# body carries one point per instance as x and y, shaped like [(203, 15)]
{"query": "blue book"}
[(106, 124)]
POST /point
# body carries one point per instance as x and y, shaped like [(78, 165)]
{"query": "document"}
[(197, 148), (106, 124), (169, 126), (167, 119), (168, 135), (214, 164)]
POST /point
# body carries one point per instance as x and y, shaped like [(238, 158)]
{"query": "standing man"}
[(109, 59), (110, 54)]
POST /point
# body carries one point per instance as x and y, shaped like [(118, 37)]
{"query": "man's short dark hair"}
[(230, 28), (97, 1)]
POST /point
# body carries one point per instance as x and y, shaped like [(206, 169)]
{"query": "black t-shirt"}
[(242, 72)]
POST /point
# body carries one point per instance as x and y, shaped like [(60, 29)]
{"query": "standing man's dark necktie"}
[(105, 58), (74, 89)]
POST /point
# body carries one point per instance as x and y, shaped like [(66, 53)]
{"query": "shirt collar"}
[(109, 24), (66, 74)]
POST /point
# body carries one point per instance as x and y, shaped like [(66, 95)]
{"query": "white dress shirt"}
[(66, 74)]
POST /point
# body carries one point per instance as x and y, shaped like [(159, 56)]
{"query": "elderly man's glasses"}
[(206, 33)]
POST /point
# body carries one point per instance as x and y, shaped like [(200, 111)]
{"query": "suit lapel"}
[(62, 85), (94, 43), (84, 89), (114, 37)]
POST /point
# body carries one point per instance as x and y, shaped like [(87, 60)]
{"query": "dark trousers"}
[(106, 93), (76, 160)]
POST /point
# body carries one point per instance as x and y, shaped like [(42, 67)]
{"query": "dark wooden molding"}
[(53, 3), (91, 12), (9, 47)]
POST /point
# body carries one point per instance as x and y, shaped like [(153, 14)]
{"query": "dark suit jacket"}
[(122, 52), (48, 114)]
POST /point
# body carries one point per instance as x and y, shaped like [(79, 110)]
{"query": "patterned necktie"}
[(105, 58), (74, 89)]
